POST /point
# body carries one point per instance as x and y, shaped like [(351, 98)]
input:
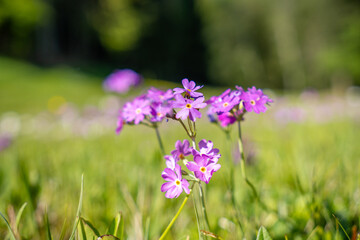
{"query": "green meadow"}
[(304, 164)]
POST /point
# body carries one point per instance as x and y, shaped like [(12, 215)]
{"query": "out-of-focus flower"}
[(203, 167), (182, 149), (121, 81), (189, 107), (189, 89), (5, 141), (175, 185), (159, 112), (158, 96)]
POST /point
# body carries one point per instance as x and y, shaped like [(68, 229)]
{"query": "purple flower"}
[(189, 107), (120, 125), (121, 81), (159, 112), (206, 148), (171, 161), (203, 167), (158, 96), (136, 110), (182, 149), (5, 141), (255, 100), (226, 119), (175, 184), (189, 89), (225, 104)]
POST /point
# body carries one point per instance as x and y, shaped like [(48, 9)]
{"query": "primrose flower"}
[(225, 104), (175, 184), (121, 81), (206, 148), (226, 119), (136, 110), (189, 89), (255, 100), (182, 149), (171, 161), (203, 167), (159, 112), (189, 107)]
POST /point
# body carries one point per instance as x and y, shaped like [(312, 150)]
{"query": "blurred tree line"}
[(285, 44)]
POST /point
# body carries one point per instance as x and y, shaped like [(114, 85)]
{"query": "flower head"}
[(159, 112), (159, 96), (182, 149), (175, 185), (189, 88), (189, 107), (171, 161), (203, 167), (255, 100), (121, 81), (206, 148), (136, 110)]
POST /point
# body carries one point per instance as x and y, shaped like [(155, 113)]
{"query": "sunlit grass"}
[(304, 172)]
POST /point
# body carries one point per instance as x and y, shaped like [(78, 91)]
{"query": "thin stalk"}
[(197, 219), (202, 197), (187, 131), (191, 128), (232, 185), (159, 140), (243, 171), (176, 216)]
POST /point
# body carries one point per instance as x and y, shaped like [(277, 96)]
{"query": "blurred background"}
[(57, 122), (279, 44)]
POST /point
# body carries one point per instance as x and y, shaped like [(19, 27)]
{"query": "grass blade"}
[(63, 230), (83, 233), (79, 209), (47, 226), (18, 217), (114, 226), (338, 222), (91, 226), (263, 234), (107, 237), (12, 235)]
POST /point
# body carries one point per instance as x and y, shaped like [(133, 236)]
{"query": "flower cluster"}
[(121, 81), (156, 105), (231, 105), (203, 166)]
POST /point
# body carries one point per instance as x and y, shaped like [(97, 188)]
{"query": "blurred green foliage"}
[(278, 44)]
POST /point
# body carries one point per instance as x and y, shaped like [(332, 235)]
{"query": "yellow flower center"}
[(181, 156), (159, 114), (188, 90), (203, 169), (177, 182), (252, 102), (225, 104), (138, 111), (188, 105)]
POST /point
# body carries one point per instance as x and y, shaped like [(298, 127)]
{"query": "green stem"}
[(159, 140), (203, 206), (243, 172), (176, 216), (232, 185)]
